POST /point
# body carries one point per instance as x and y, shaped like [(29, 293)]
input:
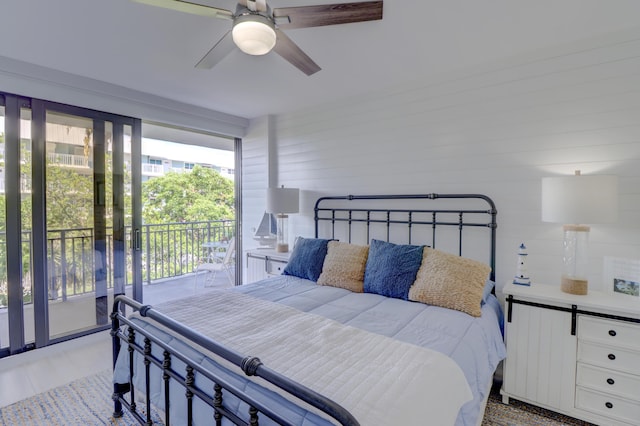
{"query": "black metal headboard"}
[(394, 217)]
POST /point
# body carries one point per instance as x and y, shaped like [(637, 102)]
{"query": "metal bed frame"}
[(411, 218), (138, 341), (251, 366)]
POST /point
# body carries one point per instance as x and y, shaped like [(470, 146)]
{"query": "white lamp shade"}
[(580, 199), (254, 34), (283, 200)]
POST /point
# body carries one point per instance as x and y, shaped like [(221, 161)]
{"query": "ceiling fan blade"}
[(223, 47), (327, 14), (290, 51), (188, 7)]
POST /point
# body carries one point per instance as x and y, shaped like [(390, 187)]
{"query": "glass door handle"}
[(137, 240)]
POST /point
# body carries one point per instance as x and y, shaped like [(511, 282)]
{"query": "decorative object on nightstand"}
[(267, 231), (522, 277), (575, 201), (282, 201), (622, 276)]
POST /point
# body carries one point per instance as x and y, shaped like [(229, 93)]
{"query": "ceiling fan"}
[(257, 28)]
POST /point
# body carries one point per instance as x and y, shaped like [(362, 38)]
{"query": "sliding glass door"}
[(189, 208), (4, 314), (84, 222), (73, 182), (16, 289), (70, 216)]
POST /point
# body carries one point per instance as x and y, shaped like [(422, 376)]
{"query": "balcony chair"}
[(218, 261)]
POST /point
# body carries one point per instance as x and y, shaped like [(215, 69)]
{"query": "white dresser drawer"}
[(264, 263), (608, 405), (275, 267), (624, 360), (610, 332), (609, 381)]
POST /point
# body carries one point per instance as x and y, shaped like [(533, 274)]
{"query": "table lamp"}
[(281, 202), (577, 201)]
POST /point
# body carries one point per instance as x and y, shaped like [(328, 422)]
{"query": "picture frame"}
[(622, 276)]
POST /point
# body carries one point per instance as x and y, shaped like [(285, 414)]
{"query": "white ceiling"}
[(154, 50)]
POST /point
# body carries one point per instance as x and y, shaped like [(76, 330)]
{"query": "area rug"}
[(519, 414), (87, 401)]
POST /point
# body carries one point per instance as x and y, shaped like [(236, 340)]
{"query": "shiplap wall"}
[(495, 130), (255, 177)]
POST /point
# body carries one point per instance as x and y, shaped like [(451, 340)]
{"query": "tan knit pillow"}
[(450, 281), (344, 266)]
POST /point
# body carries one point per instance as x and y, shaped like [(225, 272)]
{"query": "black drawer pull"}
[(612, 333), (609, 405), (610, 381), (612, 357)]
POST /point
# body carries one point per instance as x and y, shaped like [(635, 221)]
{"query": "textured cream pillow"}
[(450, 281), (344, 266)]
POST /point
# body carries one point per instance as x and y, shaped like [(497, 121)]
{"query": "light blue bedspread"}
[(475, 344)]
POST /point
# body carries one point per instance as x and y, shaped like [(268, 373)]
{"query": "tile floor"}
[(39, 370)]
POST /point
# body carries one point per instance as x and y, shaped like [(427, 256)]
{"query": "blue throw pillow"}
[(307, 258), (391, 268), (486, 292)]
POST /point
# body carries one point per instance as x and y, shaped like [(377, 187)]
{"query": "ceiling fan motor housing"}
[(254, 33)]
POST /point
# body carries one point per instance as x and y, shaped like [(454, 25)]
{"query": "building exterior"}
[(70, 147)]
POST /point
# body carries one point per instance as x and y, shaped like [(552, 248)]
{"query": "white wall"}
[(495, 130)]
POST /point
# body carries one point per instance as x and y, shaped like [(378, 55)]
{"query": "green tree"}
[(69, 205), (69, 198), (200, 195), (69, 194)]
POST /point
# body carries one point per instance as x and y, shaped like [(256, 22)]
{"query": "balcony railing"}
[(168, 250), (69, 160), (152, 169)]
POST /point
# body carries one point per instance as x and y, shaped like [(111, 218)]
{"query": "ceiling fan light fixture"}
[(254, 34)]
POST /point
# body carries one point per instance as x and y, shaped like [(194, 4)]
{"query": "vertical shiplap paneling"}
[(255, 179), (497, 131)]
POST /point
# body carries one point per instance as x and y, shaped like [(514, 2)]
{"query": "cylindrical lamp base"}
[(574, 286), (282, 239), (575, 259)]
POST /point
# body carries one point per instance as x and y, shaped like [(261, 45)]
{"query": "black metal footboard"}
[(141, 343)]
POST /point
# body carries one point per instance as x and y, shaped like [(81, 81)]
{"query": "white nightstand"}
[(577, 355), (265, 263)]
